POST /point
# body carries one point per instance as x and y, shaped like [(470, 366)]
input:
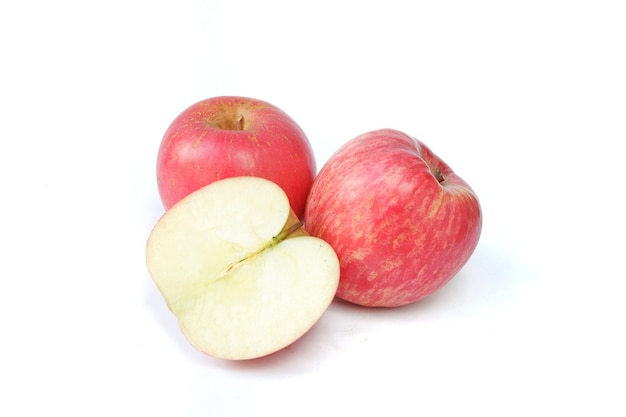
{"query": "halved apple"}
[(238, 270)]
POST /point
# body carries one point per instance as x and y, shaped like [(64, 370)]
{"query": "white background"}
[(525, 100)]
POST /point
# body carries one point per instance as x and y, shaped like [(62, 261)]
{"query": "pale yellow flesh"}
[(235, 295)]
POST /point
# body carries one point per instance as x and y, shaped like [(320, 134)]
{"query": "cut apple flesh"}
[(239, 287)]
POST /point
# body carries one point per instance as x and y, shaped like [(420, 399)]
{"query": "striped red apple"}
[(400, 220), (230, 136)]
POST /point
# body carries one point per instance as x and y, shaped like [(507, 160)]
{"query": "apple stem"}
[(275, 241), (240, 123), (285, 233), (438, 175)]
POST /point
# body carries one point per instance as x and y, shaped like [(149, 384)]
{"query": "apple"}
[(237, 269), (400, 220), (228, 136)]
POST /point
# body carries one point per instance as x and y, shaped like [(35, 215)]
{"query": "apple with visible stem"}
[(238, 270), (231, 136), (400, 220)]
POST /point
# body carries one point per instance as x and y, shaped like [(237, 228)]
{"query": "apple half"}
[(239, 271)]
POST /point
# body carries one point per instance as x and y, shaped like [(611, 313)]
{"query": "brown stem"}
[(285, 233), (240, 123)]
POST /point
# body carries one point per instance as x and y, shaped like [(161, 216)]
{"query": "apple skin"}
[(400, 220), (228, 136)]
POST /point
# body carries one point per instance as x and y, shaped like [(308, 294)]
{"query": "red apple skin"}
[(230, 136), (401, 221)]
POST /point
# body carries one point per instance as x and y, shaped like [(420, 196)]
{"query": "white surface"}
[(525, 100)]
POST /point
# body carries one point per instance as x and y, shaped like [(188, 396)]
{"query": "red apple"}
[(400, 220), (225, 137)]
